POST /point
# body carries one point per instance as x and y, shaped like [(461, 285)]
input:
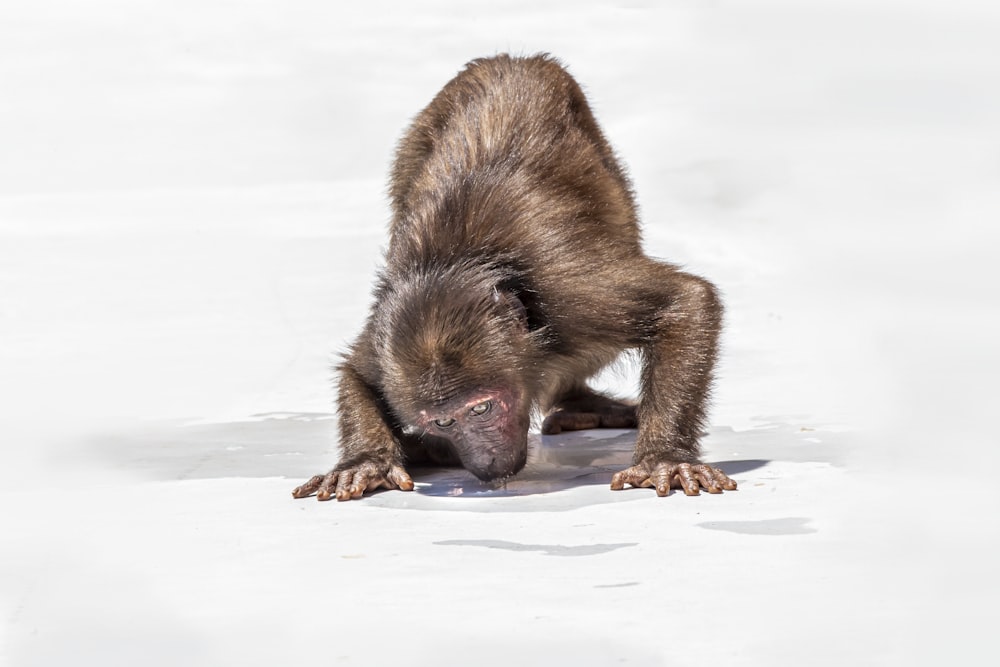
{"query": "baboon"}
[(514, 272)]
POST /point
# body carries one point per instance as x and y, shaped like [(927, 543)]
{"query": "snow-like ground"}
[(191, 211)]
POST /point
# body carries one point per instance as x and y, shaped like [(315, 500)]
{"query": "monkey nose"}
[(488, 472), (495, 469), (497, 464)]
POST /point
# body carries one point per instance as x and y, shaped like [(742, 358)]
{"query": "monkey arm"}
[(678, 358), (371, 455)]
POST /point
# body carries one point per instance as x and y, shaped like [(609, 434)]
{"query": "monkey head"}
[(456, 354)]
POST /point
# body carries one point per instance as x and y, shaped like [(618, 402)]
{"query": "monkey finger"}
[(724, 480), (328, 486), (308, 488), (366, 480), (685, 476), (660, 480), (400, 478), (709, 484), (707, 480), (372, 482), (716, 475), (345, 480), (637, 476)]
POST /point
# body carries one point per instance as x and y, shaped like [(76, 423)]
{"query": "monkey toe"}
[(560, 421), (557, 422), (625, 419)]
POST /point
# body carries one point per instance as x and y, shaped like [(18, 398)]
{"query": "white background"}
[(192, 204)]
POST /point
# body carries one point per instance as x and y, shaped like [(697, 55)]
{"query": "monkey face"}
[(454, 351), (488, 429)]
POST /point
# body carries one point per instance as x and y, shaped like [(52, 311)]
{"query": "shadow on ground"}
[(299, 445)]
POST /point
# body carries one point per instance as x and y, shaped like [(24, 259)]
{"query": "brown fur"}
[(514, 272)]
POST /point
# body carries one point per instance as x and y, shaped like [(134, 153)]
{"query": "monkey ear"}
[(510, 301)]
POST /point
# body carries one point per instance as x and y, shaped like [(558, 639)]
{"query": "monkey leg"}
[(679, 355), (583, 408), (371, 451)]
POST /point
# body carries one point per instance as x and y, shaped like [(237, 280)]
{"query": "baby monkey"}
[(514, 273)]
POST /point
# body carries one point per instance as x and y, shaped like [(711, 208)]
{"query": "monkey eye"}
[(482, 408), (444, 423)]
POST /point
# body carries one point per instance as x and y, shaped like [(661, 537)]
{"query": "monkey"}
[(514, 272)]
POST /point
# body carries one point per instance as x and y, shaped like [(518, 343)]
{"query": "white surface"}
[(191, 210)]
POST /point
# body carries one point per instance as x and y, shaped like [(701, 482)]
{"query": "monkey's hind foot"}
[(666, 475), (353, 480), (587, 410)]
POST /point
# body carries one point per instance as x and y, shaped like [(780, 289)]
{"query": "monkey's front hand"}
[(350, 480), (664, 475)]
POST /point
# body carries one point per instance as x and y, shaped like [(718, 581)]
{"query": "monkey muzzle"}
[(498, 452)]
